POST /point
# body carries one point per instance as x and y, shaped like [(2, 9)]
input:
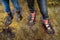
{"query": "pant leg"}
[(43, 8), (5, 4), (31, 5), (16, 5)]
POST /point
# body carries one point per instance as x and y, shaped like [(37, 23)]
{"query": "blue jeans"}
[(7, 7), (42, 6)]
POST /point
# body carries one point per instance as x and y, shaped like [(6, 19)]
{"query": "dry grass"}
[(24, 32)]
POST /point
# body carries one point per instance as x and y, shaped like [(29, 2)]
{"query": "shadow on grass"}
[(6, 33)]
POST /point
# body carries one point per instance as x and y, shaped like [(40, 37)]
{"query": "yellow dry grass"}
[(24, 32)]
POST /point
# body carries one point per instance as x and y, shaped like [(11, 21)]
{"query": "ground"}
[(24, 32)]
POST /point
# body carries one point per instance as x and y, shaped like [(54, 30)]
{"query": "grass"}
[(24, 32)]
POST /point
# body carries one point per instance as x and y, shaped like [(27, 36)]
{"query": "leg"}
[(16, 5), (6, 5), (45, 21), (7, 9), (18, 9), (43, 8), (31, 5), (32, 16)]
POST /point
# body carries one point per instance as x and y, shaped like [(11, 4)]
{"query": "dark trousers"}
[(42, 6)]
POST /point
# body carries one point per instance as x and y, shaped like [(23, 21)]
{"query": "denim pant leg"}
[(31, 5), (5, 4), (16, 5), (43, 8)]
